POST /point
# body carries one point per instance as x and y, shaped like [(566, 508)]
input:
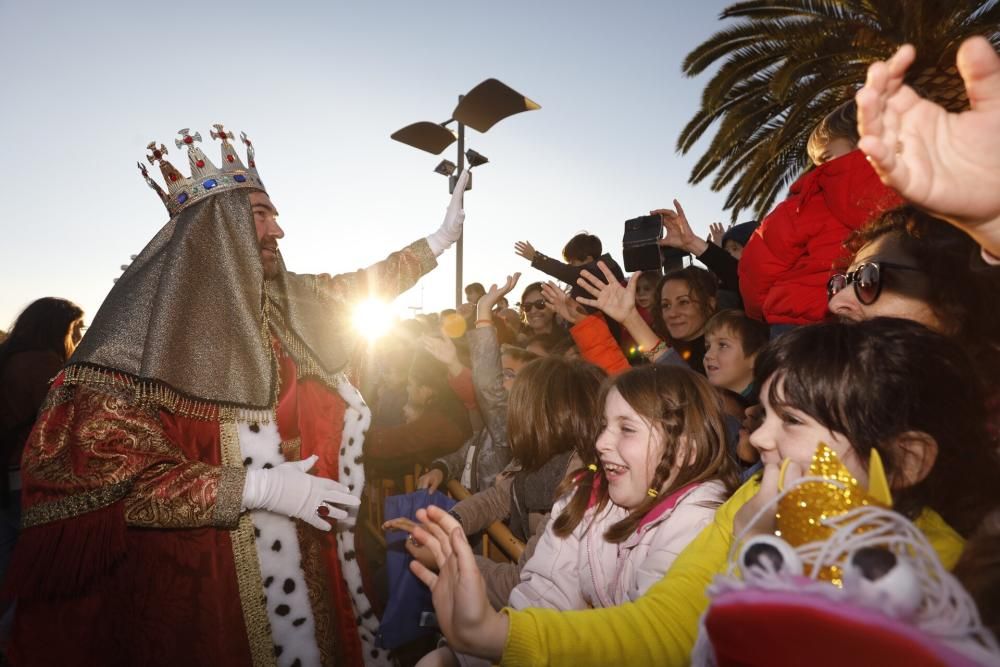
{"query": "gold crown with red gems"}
[(206, 179)]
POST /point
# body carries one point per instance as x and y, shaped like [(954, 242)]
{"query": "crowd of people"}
[(635, 432)]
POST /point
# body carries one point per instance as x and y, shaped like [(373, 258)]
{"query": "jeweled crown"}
[(206, 179)]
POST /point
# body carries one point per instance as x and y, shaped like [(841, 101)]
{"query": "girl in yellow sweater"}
[(891, 385)]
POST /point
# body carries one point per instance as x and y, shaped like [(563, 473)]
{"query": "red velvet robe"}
[(148, 579)]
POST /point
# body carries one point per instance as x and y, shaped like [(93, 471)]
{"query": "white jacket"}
[(584, 570)]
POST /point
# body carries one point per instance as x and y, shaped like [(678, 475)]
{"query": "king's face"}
[(265, 219)]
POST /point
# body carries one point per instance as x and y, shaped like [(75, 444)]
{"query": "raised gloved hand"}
[(288, 489), (451, 228)]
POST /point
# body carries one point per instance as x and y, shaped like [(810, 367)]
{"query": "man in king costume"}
[(179, 485)]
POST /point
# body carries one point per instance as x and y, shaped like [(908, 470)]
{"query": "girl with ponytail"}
[(651, 483)]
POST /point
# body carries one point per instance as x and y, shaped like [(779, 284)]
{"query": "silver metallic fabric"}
[(189, 313)]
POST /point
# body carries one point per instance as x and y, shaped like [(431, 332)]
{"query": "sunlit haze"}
[(373, 318), (319, 87)]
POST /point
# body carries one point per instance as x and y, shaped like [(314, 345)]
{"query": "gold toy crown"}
[(803, 512), (206, 179)]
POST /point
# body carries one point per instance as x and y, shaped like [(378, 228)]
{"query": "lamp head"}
[(445, 168), (475, 159)]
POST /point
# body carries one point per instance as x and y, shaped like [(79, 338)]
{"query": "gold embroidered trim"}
[(426, 260), (245, 556), (305, 365), (312, 545), (229, 497), (66, 508), (145, 393), (56, 397), (183, 500)]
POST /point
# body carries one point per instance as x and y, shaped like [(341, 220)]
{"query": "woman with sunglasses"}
[(914, 266), (538, 316), (908, 264)]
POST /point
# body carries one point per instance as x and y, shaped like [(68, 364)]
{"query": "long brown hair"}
[(44, 325), (553, 408), (686, 411)]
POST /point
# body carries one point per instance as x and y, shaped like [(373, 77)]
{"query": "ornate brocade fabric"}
[(122, 440), (92, 447)]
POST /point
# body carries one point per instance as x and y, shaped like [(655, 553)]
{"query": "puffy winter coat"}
[(585, 570), (788, 261)]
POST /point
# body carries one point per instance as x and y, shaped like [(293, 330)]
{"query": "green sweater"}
[(659, 628)]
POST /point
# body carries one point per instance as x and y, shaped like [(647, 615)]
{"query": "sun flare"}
[(373, 318)]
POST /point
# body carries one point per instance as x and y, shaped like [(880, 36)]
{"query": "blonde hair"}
[(841, 123)]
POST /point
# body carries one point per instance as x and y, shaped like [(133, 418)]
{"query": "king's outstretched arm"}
[(400, 271)]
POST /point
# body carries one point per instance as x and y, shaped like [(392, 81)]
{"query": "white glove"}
[(288, 489), (451, 228)]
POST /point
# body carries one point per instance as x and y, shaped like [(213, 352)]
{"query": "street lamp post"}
[(481, 108), (452, 181)]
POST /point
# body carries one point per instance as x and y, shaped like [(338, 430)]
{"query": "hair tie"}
[(592, 467), (652, 493)]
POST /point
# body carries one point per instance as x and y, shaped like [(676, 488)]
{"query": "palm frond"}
[(785, 64)]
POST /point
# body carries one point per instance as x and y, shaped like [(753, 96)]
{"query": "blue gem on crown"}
[(206, 179)]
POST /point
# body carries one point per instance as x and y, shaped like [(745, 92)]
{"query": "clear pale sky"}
[(319, 87)]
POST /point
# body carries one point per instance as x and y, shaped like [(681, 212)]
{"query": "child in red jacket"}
[(788, 260)]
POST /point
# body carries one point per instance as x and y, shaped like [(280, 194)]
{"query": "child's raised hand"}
[(525, 249), (616, 301), (463, 611), (715, 232)]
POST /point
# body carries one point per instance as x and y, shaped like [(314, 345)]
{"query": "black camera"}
[(641, 250), (639, 244)]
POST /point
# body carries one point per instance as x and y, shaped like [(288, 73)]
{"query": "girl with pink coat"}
[(659, 469)]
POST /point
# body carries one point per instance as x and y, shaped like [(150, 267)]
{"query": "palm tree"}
[(788, 63)]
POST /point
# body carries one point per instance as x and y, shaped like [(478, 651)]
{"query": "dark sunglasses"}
[(528, 305), (867, 280)]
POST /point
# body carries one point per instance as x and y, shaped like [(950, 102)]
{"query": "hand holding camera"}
[(678, 231)]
